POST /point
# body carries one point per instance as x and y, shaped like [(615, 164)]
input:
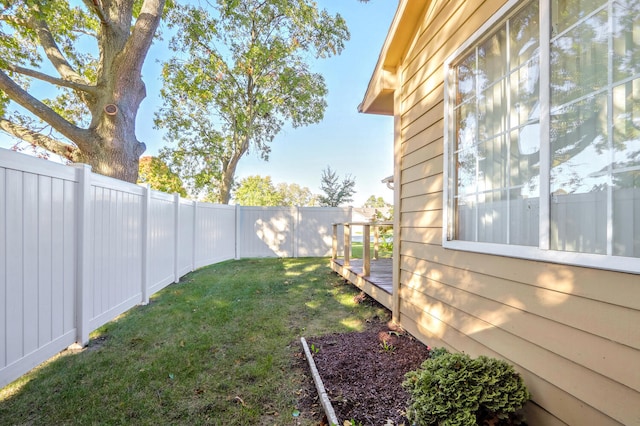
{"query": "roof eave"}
[(379, 97)]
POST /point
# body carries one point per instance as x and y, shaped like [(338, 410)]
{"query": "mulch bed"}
[(363, 373)]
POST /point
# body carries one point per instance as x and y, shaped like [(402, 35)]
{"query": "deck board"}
[(380, 278)]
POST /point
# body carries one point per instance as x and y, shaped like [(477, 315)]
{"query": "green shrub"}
[(454, 389)]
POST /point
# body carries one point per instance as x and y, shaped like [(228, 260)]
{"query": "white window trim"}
[(542, 252)]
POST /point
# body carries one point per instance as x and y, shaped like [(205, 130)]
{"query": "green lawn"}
[(217, 349), (357, 247)]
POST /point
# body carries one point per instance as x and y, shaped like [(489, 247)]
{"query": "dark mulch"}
[(363, 373)]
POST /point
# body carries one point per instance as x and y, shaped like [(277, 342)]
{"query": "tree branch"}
[(42, 111), (54, 53), (137, 46), (94, 6), (92, 90), (55, 146)]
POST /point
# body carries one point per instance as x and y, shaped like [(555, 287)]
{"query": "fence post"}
[(194, 241), (176, 252), (296, 231), (146, 204), (84, 255), (334, 242), (238, 226)]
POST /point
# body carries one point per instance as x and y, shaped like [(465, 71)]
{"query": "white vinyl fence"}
[(77, 249)]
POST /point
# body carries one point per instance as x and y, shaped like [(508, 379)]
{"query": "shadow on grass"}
[(217, 348)]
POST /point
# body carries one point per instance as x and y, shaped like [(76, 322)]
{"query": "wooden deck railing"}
[(367, 228)]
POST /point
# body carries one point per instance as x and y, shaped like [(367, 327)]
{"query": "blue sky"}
[(349, 142)]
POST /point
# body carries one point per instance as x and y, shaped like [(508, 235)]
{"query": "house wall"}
[(572, 332)]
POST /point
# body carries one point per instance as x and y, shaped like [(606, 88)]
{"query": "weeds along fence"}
[(78, 249)]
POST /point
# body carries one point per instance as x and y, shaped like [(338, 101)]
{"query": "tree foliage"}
[(260, 191), (88, 55), (336, 191), (241, 72), (159, 176), (376, 202), (257, 191)]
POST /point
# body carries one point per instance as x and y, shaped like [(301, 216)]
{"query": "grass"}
[(357, 249), (217, 348)]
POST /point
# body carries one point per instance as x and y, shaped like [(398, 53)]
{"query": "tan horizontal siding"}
[(417, 122), (426, 185), (424, 320), (610, 321), (422, 235), (593, 284), (422, 202), (593, 352), (430, 149), (423, 219), (430, 167)]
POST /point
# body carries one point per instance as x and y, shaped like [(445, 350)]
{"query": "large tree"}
[(241, 72), (86, 60)]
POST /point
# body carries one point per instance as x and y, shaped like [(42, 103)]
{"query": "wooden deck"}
[(378, 284)]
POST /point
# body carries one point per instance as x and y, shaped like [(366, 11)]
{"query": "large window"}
[(543, 139)]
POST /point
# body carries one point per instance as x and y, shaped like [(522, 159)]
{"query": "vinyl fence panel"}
[(162, 240), (37, 272), (116, 247), (214, 233), (78, 249), (266, 231), (186, 241), (314, 229)]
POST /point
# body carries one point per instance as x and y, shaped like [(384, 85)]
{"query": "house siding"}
[(572, 332)]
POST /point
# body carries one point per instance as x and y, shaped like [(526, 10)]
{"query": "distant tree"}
[(295, 195), (257, 191), (159, 176), (241, 72), (336, 192), (376, 202)]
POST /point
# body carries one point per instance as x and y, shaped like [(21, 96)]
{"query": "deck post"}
[(366, 250), (334, 242), (347, 244), (376, 241)]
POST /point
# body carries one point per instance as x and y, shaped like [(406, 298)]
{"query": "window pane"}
[(492, 105), (524, 219), (579, 176), (524, 84), (579, 146), (524, 163), (626, 39), (579, 60), (492, 164), (524, 35), (579, 222), (566, 13), (493, 217), (626, 125), (492, 59), (626, 214), (466, 78), (467, 125), (466, 210), (466, 171)]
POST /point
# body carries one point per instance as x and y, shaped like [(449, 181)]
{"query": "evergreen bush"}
[(454, 389)]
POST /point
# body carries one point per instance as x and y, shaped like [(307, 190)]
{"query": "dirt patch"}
[(363, 373)]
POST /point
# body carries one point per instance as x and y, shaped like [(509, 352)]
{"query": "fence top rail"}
[(381, 223)]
